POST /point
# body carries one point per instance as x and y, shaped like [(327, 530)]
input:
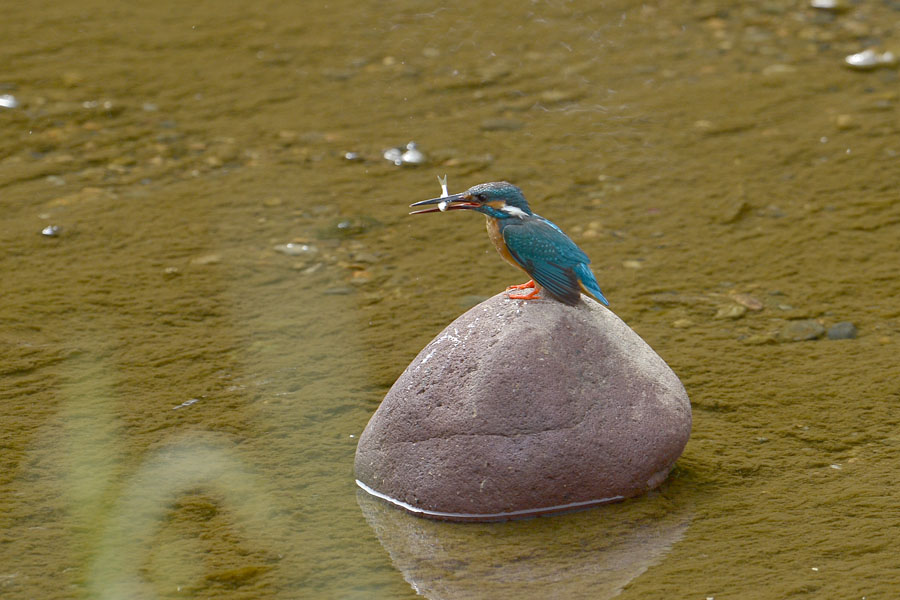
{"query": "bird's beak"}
[(453, 202)]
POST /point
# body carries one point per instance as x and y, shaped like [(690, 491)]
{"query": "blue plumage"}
[(527, 240)]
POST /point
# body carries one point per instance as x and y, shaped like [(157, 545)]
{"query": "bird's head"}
[(497, 199)]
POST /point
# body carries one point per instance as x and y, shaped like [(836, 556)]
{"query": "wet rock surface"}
[(521, 408)]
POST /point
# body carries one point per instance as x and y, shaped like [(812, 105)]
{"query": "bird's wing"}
[(548, 255)]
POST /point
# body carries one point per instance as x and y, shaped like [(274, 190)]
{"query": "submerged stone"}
[(845, 330), (800, 330), (525, 408)]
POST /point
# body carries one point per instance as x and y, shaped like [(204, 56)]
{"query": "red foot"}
[(532, 295), (521, 286)]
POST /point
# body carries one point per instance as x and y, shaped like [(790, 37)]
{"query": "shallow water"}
[(181, 400)]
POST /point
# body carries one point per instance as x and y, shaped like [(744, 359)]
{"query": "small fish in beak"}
[(444, 193)]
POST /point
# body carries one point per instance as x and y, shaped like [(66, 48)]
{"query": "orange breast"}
[(497, 238)]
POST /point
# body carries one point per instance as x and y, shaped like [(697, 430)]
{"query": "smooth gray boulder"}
[(525, 408)]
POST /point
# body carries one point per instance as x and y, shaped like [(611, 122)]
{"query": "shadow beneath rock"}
[(589, 554)]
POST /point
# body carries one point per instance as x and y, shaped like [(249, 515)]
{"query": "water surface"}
[(181, 400)]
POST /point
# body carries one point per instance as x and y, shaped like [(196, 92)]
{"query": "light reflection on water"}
[(591, 554), (129, 565)]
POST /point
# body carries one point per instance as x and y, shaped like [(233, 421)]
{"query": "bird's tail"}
[(589, 282)]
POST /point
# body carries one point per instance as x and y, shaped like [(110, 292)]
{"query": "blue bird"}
[(527, 241)]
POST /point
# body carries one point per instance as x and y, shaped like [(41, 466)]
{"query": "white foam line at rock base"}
[(486, 516)]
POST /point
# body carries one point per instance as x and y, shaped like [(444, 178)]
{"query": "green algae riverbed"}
[(221, 295)]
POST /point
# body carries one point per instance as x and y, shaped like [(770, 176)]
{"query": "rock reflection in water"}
[(590, 554)]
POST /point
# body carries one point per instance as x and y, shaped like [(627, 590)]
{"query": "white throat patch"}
[(516, 212)]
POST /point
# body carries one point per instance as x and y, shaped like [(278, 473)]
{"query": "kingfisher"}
[(527, 241)]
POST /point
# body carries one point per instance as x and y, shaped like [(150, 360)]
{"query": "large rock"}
[(523, 408)]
